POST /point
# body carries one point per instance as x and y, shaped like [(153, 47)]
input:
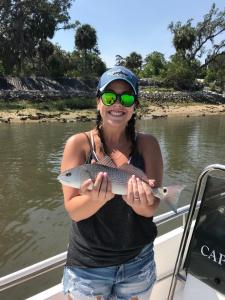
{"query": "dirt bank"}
[(151, 111)]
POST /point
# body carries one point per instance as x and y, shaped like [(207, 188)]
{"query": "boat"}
[(190, 259)]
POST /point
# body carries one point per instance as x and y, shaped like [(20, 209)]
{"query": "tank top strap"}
[(92, 154)]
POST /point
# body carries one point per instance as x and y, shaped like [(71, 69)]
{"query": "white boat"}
[(190, 259)]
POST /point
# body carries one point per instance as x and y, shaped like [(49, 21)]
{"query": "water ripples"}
[(33, 221)]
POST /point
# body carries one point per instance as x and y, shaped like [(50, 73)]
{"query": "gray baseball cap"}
[(118, 73)]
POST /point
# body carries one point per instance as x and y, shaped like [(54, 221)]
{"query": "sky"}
[(124, 26)]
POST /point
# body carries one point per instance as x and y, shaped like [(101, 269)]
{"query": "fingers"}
[(143, 190), (86, 185), (102, 187), (130, 193), (98, 182), (148, 192), (139, 192), (152, 183)]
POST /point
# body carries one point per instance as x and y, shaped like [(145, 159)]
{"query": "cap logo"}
[(119, 73)]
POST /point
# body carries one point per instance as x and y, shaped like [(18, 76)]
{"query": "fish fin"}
[(131, 169), (106, 161)]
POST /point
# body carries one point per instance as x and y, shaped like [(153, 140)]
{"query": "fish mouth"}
[(62, 178)]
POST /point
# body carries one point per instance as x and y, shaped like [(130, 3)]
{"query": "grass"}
[(50, 105), (157, 89)]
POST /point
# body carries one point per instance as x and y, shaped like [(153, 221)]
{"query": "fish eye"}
[(68, 174), (164, 190)]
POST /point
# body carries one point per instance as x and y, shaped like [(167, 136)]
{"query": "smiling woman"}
[(110, 250)]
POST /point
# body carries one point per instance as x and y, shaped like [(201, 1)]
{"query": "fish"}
[(119, 177)]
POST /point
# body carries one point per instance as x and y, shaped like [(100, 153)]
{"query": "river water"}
[(33, 222)]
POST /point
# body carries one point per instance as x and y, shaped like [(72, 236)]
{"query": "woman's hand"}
[(139, 193), (100, 190)]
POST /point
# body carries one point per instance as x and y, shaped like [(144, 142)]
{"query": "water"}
[(33, 222)]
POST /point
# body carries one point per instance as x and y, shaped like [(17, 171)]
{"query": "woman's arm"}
[(83, 203)]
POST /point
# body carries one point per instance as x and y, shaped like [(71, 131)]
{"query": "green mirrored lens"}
[(108, 98), (127, 100)]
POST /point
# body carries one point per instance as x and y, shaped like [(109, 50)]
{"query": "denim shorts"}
[(133, 278)]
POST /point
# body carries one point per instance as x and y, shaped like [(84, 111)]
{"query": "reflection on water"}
[(33, 222)]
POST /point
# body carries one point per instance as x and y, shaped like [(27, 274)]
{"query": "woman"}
[(110, 254)]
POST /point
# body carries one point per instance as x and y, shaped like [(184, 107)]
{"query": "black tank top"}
[(113, 235)]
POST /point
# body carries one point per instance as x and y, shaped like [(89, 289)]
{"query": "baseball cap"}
[(118, 73)]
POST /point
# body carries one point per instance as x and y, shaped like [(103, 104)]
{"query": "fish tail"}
[(172, 196)]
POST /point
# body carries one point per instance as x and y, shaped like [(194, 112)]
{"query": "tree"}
[(181, 73), (25, 27), (155, 64), (120, 61), (216, 72), (86, 40), (194, 42), (184, 36), (96, 65), (58, 63), (134, 62)]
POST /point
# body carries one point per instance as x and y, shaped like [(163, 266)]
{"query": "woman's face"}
[(116, 115)]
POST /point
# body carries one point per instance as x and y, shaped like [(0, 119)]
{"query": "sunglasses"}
[(109, 98)]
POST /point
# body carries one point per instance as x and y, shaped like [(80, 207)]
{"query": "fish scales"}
[(119, 178)]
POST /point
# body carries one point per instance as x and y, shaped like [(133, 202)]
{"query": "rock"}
[(159, 116), (42, 89), (32, 117), (24, 118), (5, 120)]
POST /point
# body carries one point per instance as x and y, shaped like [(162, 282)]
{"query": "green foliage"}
[(51, 105), (120, 61), (2, 71), (194, 42), (58, 63), (134, 62), (25, 27), (95, 65), (86, 44), (155, 65), (180, 73), (68, 104), (215, 73), (85, 37), (184, 36)]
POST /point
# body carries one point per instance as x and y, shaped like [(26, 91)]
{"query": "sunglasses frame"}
[(118, 97)]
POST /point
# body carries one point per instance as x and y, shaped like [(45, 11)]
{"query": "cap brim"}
[(119, 78)]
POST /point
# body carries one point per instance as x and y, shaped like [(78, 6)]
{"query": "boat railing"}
[(59, 260)]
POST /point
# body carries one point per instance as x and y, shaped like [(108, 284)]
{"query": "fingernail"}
[(91, 185)]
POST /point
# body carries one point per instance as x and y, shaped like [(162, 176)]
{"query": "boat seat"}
[(204, 264)]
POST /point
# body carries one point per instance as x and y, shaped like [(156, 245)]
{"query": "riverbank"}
[(148, 111)]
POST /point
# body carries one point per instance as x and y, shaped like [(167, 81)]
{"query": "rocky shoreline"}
[(151, 111), (154, 104)]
